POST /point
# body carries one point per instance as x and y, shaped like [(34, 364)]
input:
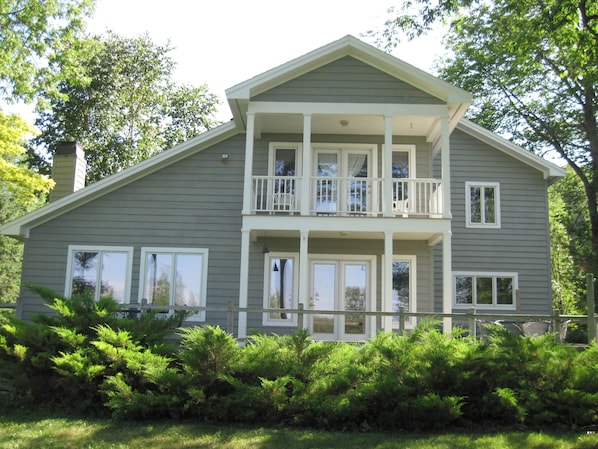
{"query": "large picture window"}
[(102, 272), (485, 290), (280, 289), (482, 204), (174, 277)]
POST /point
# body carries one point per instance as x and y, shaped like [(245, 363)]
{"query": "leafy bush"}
[(88, 358)]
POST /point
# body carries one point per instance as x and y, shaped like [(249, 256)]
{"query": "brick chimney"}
[(68, 170)]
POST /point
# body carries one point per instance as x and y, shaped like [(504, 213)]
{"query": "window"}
[(99, 271), (482, 205), (403, 286), (174, 277), (280, 289), (485, 290)]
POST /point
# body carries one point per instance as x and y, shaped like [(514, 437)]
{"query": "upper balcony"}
[(346, 196)]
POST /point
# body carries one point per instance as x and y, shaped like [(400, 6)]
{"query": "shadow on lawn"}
[(33, 430)]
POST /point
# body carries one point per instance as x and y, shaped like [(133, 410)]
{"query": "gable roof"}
[(20, 227), (457, 99), (551, 172)]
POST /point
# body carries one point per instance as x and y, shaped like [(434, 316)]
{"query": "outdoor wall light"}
[(224, 158)]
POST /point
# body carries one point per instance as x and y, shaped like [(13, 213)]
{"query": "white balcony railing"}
[(346, 196)]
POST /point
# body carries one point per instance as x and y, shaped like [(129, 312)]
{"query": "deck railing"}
[(346, 196), (473, 320)]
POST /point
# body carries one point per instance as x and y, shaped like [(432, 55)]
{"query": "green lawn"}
[(43, 431)]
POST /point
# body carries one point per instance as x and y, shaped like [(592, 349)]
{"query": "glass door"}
[(357, 189), (327, 188), (324, 274), (340, 286), (355, 299)]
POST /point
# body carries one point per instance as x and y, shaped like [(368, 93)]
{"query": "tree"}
[(21, 190), (533, 66), (570, 244), (129, 111), (41, 44)]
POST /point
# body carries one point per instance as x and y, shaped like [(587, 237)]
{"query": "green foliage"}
[(130, 110), (41, 44), (424, 379)]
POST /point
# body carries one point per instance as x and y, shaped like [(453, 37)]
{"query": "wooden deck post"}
[(473, 331), (300, 317)]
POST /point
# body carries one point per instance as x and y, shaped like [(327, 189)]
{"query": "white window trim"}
[(370, 321), (493, 275), (406, 148), (482, 184), (266, 320), (68, 283), (273, 146), (412, 259), (200, 316)]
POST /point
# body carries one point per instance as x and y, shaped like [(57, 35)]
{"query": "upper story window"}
[(485, 290), (175, 277), (100, 271), (482, 204)]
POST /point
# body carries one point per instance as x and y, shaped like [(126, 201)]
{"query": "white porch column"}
[(304, 271), (243, 284), (306, 169), (387, 183), (447, 280), (247, 184), (387, 287), (445, 168)]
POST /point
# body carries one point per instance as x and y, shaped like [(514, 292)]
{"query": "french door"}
[(343, 181), (340, 285)]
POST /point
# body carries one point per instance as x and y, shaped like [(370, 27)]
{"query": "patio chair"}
[(535, 328), (511, 326)]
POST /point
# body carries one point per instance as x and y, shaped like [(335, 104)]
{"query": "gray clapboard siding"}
[(522, 243), (347, 80), (192, 203)]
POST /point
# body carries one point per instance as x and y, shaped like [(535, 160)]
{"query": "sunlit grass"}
[(20, 430)]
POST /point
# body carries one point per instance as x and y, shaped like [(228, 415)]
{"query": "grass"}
[(39, 430)]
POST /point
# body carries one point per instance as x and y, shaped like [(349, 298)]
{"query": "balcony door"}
[(343, 181), (282, 185)]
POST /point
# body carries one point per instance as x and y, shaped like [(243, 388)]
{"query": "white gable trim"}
[(551, 172), (21, 226)]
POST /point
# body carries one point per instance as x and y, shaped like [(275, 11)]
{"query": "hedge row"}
[(86, 359)]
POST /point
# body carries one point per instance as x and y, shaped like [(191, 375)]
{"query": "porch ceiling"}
[(406, 125)]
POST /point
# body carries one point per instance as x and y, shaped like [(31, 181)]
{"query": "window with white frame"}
[(403, 286), (175, 277), (99, 271), (482, 204), (485, 290), (280, 289)]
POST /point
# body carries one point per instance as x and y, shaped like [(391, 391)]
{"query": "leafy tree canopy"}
[(41, 44), (130, 110), (533, 68), (21, 190)]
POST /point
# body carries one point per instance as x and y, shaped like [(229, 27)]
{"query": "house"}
[(347, 180)]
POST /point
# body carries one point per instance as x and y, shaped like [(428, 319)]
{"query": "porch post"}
[(305, 180), (243, 284), (387, 183), (304, 269), (447, 280), (247, 185), (445, 168), (387, 287)]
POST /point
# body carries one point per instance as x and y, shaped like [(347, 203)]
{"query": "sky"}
[(223, 43)]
